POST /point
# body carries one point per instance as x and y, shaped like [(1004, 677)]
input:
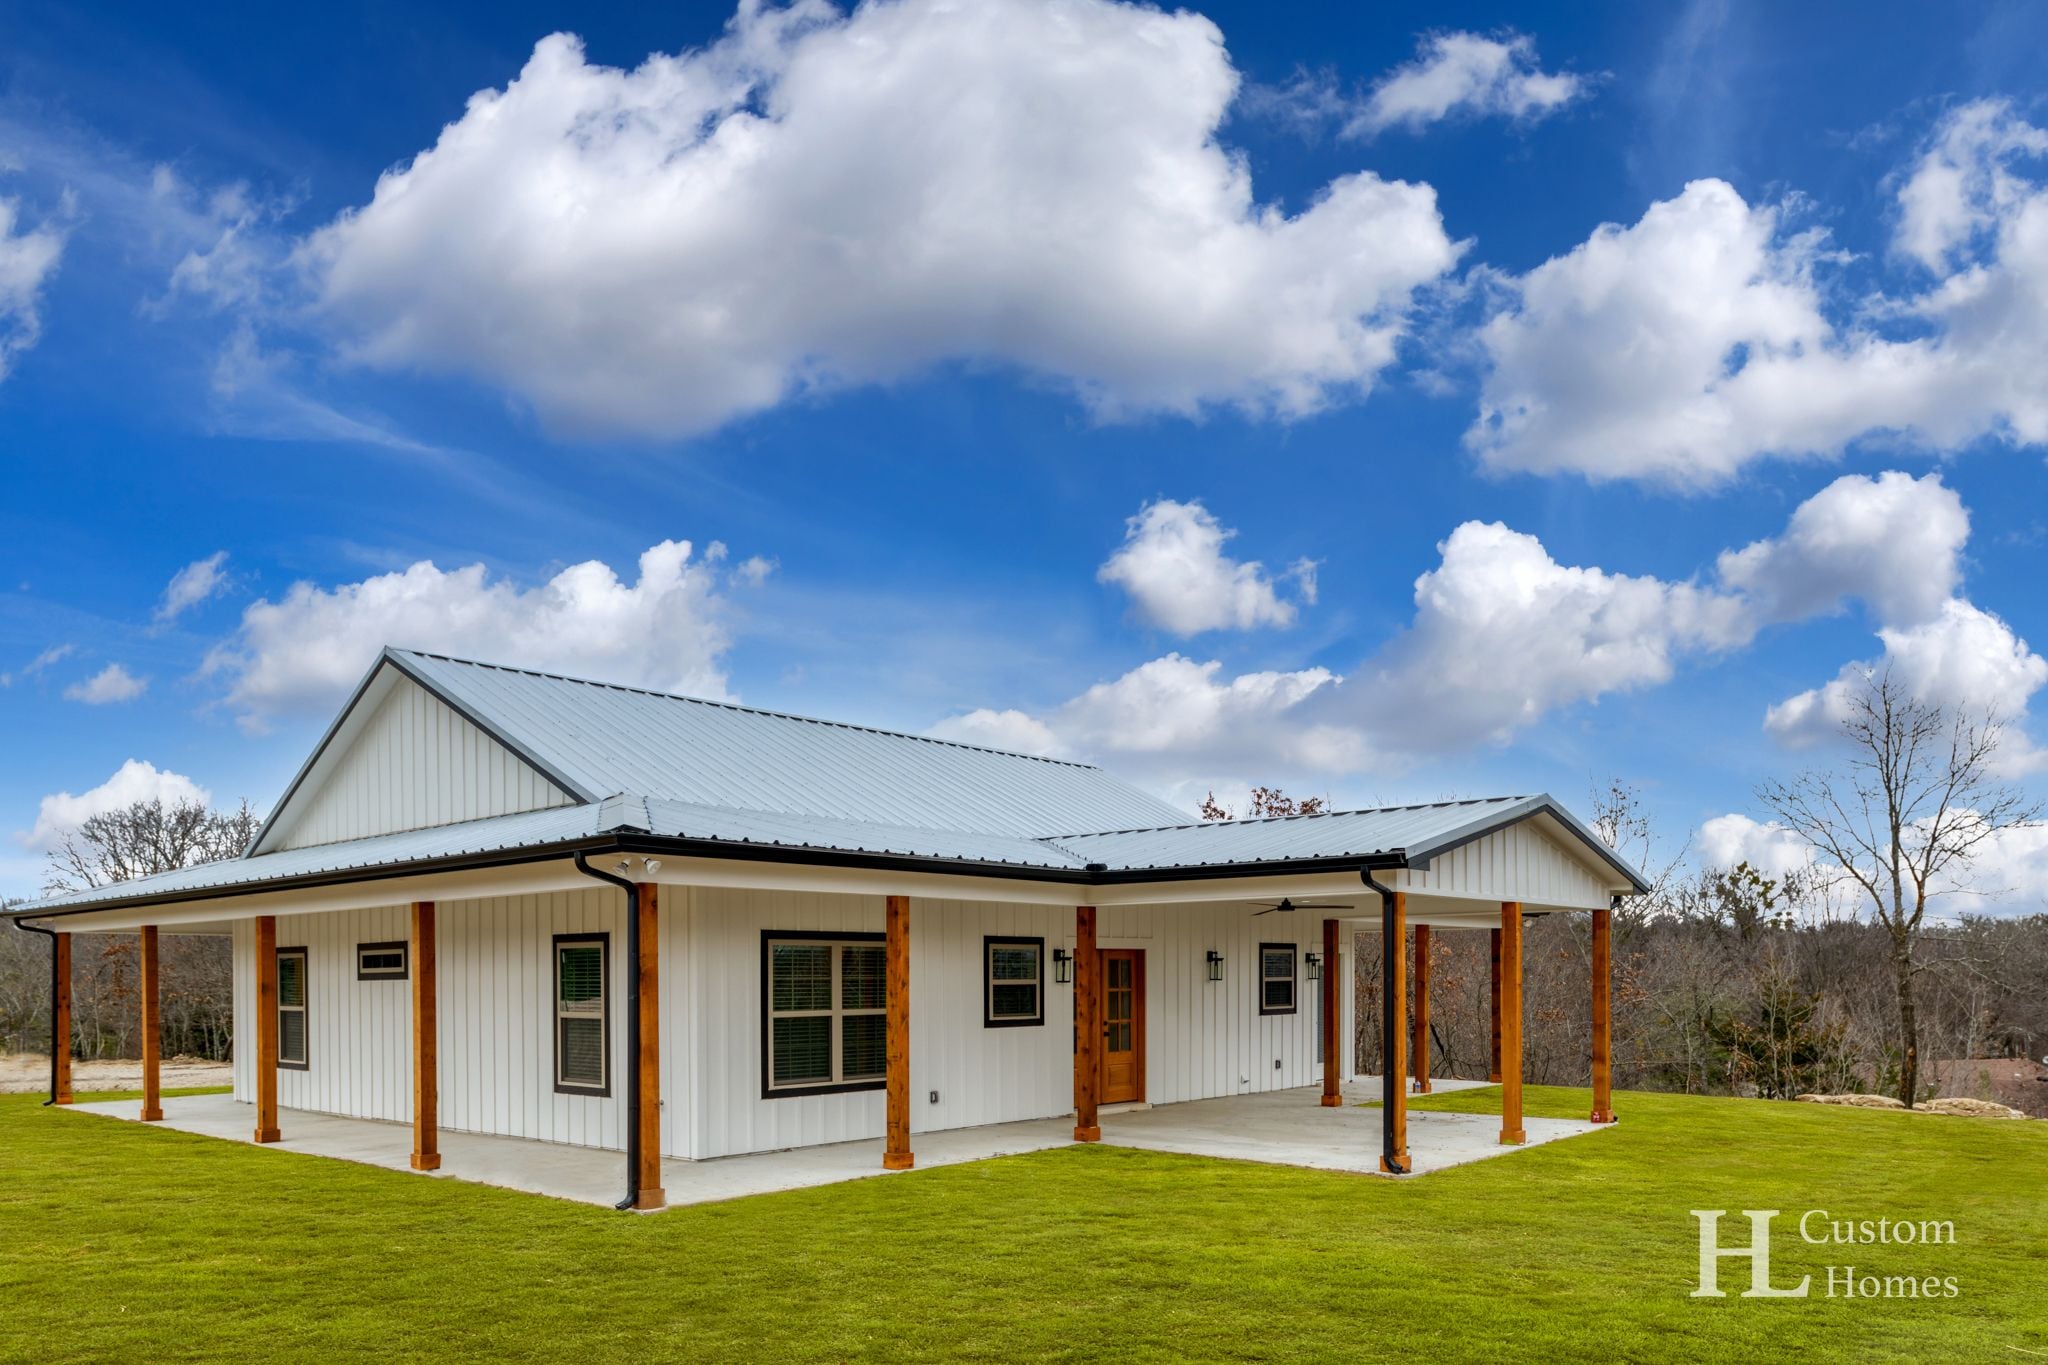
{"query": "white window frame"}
[(1292, 977), (303, 1061), (989, 981), (600, 1009), (401, 949), (838, 1013)]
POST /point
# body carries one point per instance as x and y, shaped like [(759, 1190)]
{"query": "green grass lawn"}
[(128, 1243)]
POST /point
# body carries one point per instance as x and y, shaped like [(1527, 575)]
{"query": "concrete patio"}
[(1286, 1128)]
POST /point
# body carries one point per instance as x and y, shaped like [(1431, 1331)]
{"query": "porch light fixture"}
[(1062, 967), (1215, 965), (1314, 962)]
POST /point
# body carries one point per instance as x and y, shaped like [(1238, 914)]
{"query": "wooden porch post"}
[(652, 1195), (1422, 1009), (1493, 1065), (426, 1044), (266, 1028), (1511, 1023), (1603, 1042), (60, 1017), (1394, 948), (1087, 1025), (1333, 1004), (897, 1156), (152, 1080)]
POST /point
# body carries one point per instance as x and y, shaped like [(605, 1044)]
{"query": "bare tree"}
[(1911, 806), (1266, 803), (143, 839)]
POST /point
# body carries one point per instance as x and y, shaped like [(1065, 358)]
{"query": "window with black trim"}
[(291, 1009), (582, 1014), (1013, 981), (824, 1013), (380, 961), (1276, 978)]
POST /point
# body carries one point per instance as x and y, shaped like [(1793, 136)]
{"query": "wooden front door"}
[(1123, 1025)]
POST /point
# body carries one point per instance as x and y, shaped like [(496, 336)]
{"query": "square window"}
[(1013, 982), (824, 1000)]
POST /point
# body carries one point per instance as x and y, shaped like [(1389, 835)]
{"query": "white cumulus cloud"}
[(666, 630), (1465, 73), (819, 200), (113, 683), (61, 813), (1769, 847), (1684, 346), (1173, 566)]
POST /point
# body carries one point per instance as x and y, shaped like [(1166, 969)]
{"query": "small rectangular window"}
[(1276, 978), (582, 1014), (291, 1009), (824, 1006), (380, 961), (1013, 978)]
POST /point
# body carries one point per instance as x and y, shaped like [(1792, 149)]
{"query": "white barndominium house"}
[(498, 902)]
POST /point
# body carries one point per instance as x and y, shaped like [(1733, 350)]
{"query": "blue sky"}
[(1084, 378)]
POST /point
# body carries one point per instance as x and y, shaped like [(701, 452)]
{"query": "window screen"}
[(291, 1008), (582, 1038), (1276, 978), (1013, 975), (826, 1018)]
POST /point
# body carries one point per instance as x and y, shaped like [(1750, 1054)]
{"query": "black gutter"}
[(632, 1072), (683, 847), (1389, 955), (55, 990)]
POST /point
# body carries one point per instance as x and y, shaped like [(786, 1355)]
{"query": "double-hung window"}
[(291, 1009), (582, 1020), (1013, 982), (1276, 978), (824, 1012)]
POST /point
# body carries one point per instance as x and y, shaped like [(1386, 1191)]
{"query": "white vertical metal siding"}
[(495, 962), (1203, 1039), (416, 764), (1519, 863)]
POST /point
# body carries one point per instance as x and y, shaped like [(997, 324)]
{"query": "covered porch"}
[(1283, 1127)]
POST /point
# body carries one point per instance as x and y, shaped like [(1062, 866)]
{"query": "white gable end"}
[(406, 760), (1524, 862)]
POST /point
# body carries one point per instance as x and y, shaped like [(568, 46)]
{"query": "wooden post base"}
[(1087, 1134), (1422, 1086), (1513, 1137), (1603, 1116), (426, 1161), (898, 1161), (1385, 1169), (152, 1113), (1333, 1101), (650, 1200), (268, 1135)]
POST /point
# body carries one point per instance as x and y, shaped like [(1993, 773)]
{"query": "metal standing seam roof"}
[(788, 783), (600, 739)]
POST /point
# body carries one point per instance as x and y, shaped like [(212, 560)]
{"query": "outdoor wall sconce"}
[(1062, 967), (1215, 965), (1315, 966)]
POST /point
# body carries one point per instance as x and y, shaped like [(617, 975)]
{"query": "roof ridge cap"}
[(1274, 819)]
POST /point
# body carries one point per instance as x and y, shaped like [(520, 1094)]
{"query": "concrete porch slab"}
[(1290, 1128), (1285, 1127)]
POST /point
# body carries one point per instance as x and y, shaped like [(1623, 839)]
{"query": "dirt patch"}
[(28, 1073), (2017, 1082)]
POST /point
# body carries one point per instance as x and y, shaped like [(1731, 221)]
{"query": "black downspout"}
[(55, 1041), (1389, 950), (632, 1070)]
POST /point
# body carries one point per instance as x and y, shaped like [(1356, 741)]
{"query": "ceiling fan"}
[(1288, 907)]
